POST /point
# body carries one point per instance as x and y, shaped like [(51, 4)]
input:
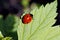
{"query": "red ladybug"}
[(27, 18)]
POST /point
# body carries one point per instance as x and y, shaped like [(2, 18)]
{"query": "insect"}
[(27, 18)]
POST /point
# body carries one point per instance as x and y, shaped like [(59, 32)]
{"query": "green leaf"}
[(7, 38), (10, 26), (11, 22), (4, 38), (40, 28), (1, 36)]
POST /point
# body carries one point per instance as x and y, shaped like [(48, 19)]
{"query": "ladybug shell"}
[(27, 18)]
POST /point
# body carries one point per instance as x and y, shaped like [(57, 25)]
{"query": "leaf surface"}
[(40, 28)]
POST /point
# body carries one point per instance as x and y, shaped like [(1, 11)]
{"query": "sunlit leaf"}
[(1, 36), (7, 38), (40, 28)]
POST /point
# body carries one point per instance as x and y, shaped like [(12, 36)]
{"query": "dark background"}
[(14, 7)]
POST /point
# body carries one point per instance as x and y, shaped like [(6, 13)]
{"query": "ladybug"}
[(27, 18)]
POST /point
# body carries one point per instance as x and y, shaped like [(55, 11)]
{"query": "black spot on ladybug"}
[(31, 15)]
